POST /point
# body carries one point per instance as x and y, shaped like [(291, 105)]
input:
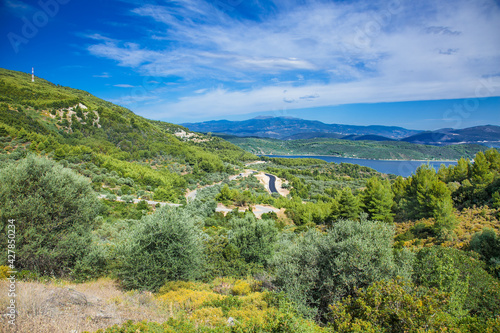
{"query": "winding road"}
[(272, 183), (258, 210)]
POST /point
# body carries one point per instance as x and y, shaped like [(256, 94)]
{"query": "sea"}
[(399, 168)]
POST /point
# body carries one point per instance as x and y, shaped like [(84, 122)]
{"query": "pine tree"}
[(429, 197), (493, 156), (481, 174), (399, 188), (378, 200), (461, 170), (349, 206), (444, 173)]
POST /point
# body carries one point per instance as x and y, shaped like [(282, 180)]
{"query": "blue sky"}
[(417, 64)]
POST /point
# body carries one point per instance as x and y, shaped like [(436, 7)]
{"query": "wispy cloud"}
[(442, 31), (98, 37), (231, 102), (103, 75), (18, 8), (122, 85), (321, 53), (127, 54)]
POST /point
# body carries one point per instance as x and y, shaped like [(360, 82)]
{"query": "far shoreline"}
[(360, 158)]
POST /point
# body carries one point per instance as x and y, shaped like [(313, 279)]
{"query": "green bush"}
[(393, 306), (54, 210), (128, 198), (95, 264), (435, 268), (164, 246), (223, 259), (317, 269), (487, 244), (463, 277), (254, 238)]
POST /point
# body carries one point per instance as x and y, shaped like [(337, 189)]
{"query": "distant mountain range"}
[(487, 135), (285, 128), (288, 128)]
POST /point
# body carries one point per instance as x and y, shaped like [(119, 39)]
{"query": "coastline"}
[(360, 158)]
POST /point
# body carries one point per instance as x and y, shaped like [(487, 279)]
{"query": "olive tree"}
[(164, 246), (254, 238), (54, 210), (317, 269)]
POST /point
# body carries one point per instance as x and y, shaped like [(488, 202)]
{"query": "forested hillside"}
[(368, 147), (77, 128), (350, 250)]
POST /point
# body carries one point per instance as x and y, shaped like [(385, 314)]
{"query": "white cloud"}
[(128, 54), (99, 37), (274, 98), (345, 53), (121, 85), (19, 8), (103, 75)]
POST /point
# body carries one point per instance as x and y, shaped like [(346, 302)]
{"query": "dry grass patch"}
[(66, 307)]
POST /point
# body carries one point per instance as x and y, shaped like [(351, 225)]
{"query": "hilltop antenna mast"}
[(32, 74)]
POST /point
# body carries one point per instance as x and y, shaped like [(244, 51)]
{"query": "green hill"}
[(393, 150), (74, 126)]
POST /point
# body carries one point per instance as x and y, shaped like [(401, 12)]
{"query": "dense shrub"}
[(223, 259), (317, 269), (54, 210), (463, 277), (161, 247), (435, 268), (487, 244), (393, 306), (254, 238)]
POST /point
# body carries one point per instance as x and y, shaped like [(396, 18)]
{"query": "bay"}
[(397, 167)]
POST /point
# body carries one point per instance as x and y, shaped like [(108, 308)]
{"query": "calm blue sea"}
[(399, 168)]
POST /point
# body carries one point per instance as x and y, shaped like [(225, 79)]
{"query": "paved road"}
[(272, 183)]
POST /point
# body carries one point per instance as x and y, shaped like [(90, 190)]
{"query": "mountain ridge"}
[(289, 128), (476, 134), (282, 127)]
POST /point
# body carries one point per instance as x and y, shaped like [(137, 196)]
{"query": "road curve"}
[(272, 183)]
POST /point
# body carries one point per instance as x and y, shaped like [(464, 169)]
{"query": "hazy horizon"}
[(486, 115)]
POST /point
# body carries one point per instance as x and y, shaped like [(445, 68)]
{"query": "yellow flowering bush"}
[(241, 287), (226, 305), (209, 316), (187, 299), (3, 272)]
